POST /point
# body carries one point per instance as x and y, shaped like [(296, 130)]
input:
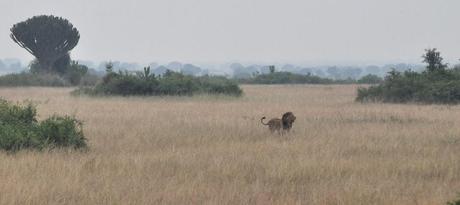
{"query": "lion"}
[(280, 125)]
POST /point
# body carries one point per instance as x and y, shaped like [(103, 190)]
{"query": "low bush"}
[(370, 79), (19, 129), (286, 78), (58, 131), (218, 85), (436, 84), (410, 86), (292, 78), (89, 80), (31, 79), (455, 202), (171, 83), (46, 80)]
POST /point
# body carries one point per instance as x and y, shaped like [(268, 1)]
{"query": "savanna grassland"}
[(213, 150)]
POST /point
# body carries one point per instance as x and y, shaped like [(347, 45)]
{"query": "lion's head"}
[(287, 119)]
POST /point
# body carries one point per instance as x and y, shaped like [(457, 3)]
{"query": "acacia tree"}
[(434, 60), (48, 38)]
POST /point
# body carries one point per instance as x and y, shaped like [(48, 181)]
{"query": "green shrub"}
[(176, 84), (58, 131), (455, 202), (31, 79), (219, 85), (286, 78), (370, 79), (75, 73), (14, 137), (89, 80), (434, 85), (19, 129), (49, 80), (17, 114), (171, 83), (426, 87), (292, 78)]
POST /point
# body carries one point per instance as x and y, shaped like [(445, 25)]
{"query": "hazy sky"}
[(296, 31)]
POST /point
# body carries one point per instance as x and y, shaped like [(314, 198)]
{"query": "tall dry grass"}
[(213, 150)]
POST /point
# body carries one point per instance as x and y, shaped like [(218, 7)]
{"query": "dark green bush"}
[(75, 73), (292, 78), (426, 87), (58, 131), (436, 84), (286, 78), (17, 114), (19, 129), (14, 137), (48, 80), (219, 85), (455, 202), (31, 79), (171, 83), (89, 80), (370, 79)]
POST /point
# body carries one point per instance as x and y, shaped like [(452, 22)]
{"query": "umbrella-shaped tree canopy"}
[(48, 38)]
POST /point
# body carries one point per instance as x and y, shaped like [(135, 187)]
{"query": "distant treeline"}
[(240, 71), (231, 70), (292, 78), (28, 78), (11, 66), (332, 72)]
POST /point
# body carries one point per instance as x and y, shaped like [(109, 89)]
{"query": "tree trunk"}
[(46, 65)]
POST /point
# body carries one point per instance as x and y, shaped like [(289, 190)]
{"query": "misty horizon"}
[(310, 33)]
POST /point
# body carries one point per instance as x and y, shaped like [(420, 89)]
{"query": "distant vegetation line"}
[(438, 83), (230, 70)]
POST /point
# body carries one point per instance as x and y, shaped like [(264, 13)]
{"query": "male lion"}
[(283, 124)]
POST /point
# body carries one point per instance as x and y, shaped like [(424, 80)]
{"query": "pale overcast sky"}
[(296, 31)]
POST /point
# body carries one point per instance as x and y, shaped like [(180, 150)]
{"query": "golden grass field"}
[(213, 150)]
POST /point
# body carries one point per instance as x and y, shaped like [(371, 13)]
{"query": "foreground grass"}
[(213, 150)]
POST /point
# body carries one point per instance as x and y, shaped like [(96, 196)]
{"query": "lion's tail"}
[(262, 121)]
